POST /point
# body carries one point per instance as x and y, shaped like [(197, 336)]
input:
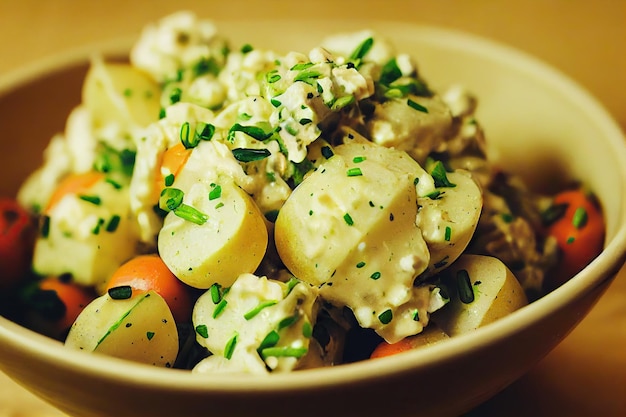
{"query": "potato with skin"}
[(482, 290), (139, 328), (232, 241), (118, 92)]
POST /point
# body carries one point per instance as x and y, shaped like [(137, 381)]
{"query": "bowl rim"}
[(607, 264)]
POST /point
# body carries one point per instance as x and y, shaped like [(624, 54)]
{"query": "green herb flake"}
[(354, 172), (254, 132), (205, 131), (348, 219), (342, 102), (216, 293), (216, 192), (250, 154), (307, 329), (276, 103), (579, 220), (464, 285), (416, 315), (360, 264), (390, 72), (219, 308), (570, 240), (256, 310), (286, 351), (362, 49), (175, 95), (359, 159), (229, 349), (122, 292), (416, 106), (386, 316), (113, 183), (187, 139), (44, 226), (440, 176), (269, 340), (288, 321), (169, 180), (170, 199), (113, 223), (93, 199), (507, 217), (448, 233), (376, 275), (246, 48), (203, 331), (149, 335), (191, 214)]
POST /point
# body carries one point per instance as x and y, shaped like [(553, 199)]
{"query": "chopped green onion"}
[(362, 49), (440, 176), (301, 66), (44, 226), (191, 214), (203, 331), (348, 219), (206, 132), (230, 346), (175, 95), (149, 335), (434, 195), (464, 285), (360, 264), (276, 103), (375, 275), (256, 310), (305, 121), (93, 199), (327, 152), (286, 351), (354, 172), (416, 315), (123, 292), (507, 217), (219, 308), (188, 141), (169, 180), (580, 218), (553, 213), (250, 154), (288, 321), (254, 132), (448, 233), (246, 48), (342, 102), (272, 77), (359, 159), (416, 106), (216, 294), (216, 192), (113, 223), (307, 329), (390, 72), (113, 183), (171, 198), (269, 340), (386, 316), (307, 75)]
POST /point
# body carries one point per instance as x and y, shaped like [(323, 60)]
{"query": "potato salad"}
[(235, 209)]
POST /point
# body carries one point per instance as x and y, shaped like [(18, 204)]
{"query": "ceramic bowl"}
[(538, 122)]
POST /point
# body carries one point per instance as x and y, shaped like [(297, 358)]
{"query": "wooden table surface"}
[(586, 374)]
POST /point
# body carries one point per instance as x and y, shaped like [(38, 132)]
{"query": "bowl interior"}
[(538, 124)]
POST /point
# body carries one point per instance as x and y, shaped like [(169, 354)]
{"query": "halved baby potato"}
[(139, 328), (481, 289)]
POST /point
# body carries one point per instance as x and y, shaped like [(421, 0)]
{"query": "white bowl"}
[(538, 122)]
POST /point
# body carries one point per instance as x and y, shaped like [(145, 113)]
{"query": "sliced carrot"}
[(172, 162), (74, 184), (579, 234), (17, 236), (432, 334), (149, 272)]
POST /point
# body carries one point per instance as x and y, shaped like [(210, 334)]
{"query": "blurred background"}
[(584, 376)]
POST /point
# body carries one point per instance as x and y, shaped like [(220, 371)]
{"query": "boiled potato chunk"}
[(118, 92), (231, 242), (140, 328), (482, 290), (349, 228)]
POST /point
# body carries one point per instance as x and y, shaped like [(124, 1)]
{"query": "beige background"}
[(585, 375)]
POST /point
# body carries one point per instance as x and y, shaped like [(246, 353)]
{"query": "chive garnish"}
[(114, 221), (464, 285), (375, 275), (149, 335), (246, 48), (171, 198), (327, 152), (288, 321), (362, 49), (188, 140), (354, 172), (256, 310), (44, 226), (276, 103), (580, 218), (284, 352), (216, 192), (230, 346), (359, 159), (348, 219), (216, 294), (386, 316), (390, 72), (123, 292), (93, 199), (416, 315), (252, 131), (506, 217), (416, 106), (301, 66), (342, 102), (448, 233), (272, 77), (219, 308), (203, 331), (191, 214), (440, 176), (206, 132), (360, 264), (307, 329), (250, 154), (269, 340)]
